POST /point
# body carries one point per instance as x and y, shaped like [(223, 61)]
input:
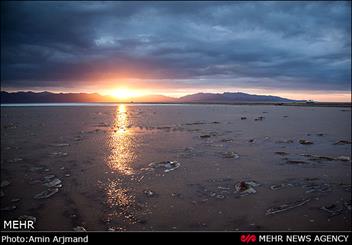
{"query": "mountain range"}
[(227, 97)]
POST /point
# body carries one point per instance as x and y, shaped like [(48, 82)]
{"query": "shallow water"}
[(102, 155)]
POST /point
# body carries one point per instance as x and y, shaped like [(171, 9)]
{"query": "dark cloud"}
[(258, 44)]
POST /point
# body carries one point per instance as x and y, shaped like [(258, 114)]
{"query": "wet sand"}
[(102, 156)]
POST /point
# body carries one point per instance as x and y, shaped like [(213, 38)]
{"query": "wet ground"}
[(177, 167)]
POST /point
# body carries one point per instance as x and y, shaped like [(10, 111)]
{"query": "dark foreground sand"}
[(101, 155)]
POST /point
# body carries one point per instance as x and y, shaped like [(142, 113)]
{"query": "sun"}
[(123, 93)]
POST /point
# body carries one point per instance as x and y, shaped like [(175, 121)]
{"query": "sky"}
[(298, 50)]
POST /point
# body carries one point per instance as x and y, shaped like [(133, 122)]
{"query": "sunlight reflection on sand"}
[(121, 144), (120, 159)]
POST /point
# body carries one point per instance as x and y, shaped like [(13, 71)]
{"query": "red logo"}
[(248, 238)]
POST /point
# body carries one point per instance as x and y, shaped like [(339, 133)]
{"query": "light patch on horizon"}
[(124, 93)]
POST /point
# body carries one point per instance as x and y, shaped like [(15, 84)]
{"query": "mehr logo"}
[(248, 238), (23, 223)]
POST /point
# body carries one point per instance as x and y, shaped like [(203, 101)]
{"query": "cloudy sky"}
[(293, 49)]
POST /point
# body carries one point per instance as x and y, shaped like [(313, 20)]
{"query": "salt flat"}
[(177, 167)]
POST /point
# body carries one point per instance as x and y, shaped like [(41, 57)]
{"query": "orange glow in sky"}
[(125, 88)]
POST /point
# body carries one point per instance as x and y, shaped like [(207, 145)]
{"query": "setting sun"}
[(123, 93)]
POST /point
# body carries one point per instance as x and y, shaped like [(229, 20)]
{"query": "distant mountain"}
[(47, 97), (232, 97)]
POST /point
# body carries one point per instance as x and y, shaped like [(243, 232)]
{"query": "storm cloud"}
[(284, 45)]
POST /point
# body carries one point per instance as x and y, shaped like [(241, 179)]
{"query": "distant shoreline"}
[(303, 104)]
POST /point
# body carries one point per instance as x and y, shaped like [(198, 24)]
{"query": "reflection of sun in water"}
[(122, 108), (121, 143), (118, 196)]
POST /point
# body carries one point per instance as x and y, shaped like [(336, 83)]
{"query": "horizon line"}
[(313, 97), (145, 95)]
